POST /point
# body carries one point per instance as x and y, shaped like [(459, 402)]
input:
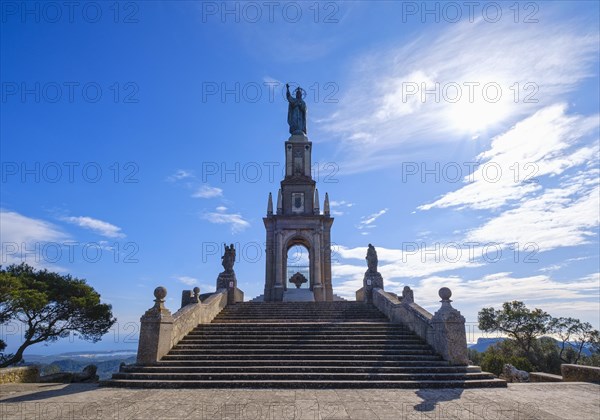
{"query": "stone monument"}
[(296, 112), (227, 279), (298, 219), (372, 278)]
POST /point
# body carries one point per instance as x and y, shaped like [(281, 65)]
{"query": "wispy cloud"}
[(235, 220), (565, 216), (377, 118), (180, 174), (101, 227), (411, 261), (546, 144), (556, 297), (206, 191), (337, 206), (19, 234), (188, 281), (367, 221), (22, 229)]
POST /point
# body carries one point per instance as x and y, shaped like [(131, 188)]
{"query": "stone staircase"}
[(302, 345)]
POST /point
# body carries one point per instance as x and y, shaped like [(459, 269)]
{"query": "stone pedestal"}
[(360, 294), (228, 281), (155, 330), (190, 296), (319, 293), (372, 280), (449, 336), (277, 293)]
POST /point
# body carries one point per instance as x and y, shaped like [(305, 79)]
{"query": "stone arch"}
[(294, 239)]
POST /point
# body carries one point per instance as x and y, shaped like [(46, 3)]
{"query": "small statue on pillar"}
[(371, 259), (227, 279), (228, 258), (372, 279)]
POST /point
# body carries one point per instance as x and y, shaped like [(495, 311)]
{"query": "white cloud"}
[(375, 120), (556, 297), (180, 174), (22, 229), (188, 281), (564, 216), (410, 262), (337, 206), (234, 220), (19, 235), (545, 144), (494, 289), (98, 226), (367, 221), (206, 191)]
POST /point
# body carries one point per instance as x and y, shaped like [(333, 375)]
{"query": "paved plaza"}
[(544, 401)]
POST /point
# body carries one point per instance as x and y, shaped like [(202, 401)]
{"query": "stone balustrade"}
[(160, 330), (21, 374), (580, 373), (444, 330)]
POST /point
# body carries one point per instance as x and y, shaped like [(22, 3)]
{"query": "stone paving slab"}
[(540, 401)]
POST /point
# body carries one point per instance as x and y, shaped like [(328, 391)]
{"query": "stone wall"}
[(188, 317), (19, 374), (416, 318), (160, 330), (579, 373), (444, 331)]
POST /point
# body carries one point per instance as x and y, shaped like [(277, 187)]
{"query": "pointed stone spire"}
[(279, 202), (326, 205), (316, 209), (270, 205)]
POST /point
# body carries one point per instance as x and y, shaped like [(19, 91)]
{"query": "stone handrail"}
[(160, 330), (188, 317), (444, 331), (416, 318)]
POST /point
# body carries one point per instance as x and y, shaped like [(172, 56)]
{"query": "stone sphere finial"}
[(196, 290), (160, 293), (445, 293)]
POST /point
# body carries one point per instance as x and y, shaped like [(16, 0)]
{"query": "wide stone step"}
[(331, 368), (281, 332), (320, 376), (325, 339), (294, 351), (303, 384), (297, 313), (182, 355), (307, 309), (251, 363), (292, 328), (237, 347), (283, 321)]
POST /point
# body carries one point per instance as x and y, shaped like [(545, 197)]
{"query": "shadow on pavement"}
[(41, 394)]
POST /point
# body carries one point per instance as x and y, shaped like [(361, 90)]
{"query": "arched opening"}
[(298, 267)]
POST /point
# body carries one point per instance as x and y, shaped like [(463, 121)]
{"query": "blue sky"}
[(136, 140)]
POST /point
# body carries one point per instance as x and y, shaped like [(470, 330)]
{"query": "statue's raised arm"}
[(296, 111)]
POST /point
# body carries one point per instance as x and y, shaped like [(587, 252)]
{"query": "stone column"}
[(278, 288), (318, 285), (449, 336), (269, 263), (155, 330)]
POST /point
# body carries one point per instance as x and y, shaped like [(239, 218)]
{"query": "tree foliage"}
[(517, 321), (527, 348), (51, 306), (574, 335)]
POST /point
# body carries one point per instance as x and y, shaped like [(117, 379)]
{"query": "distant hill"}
[(107, 361), (483, 343)]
